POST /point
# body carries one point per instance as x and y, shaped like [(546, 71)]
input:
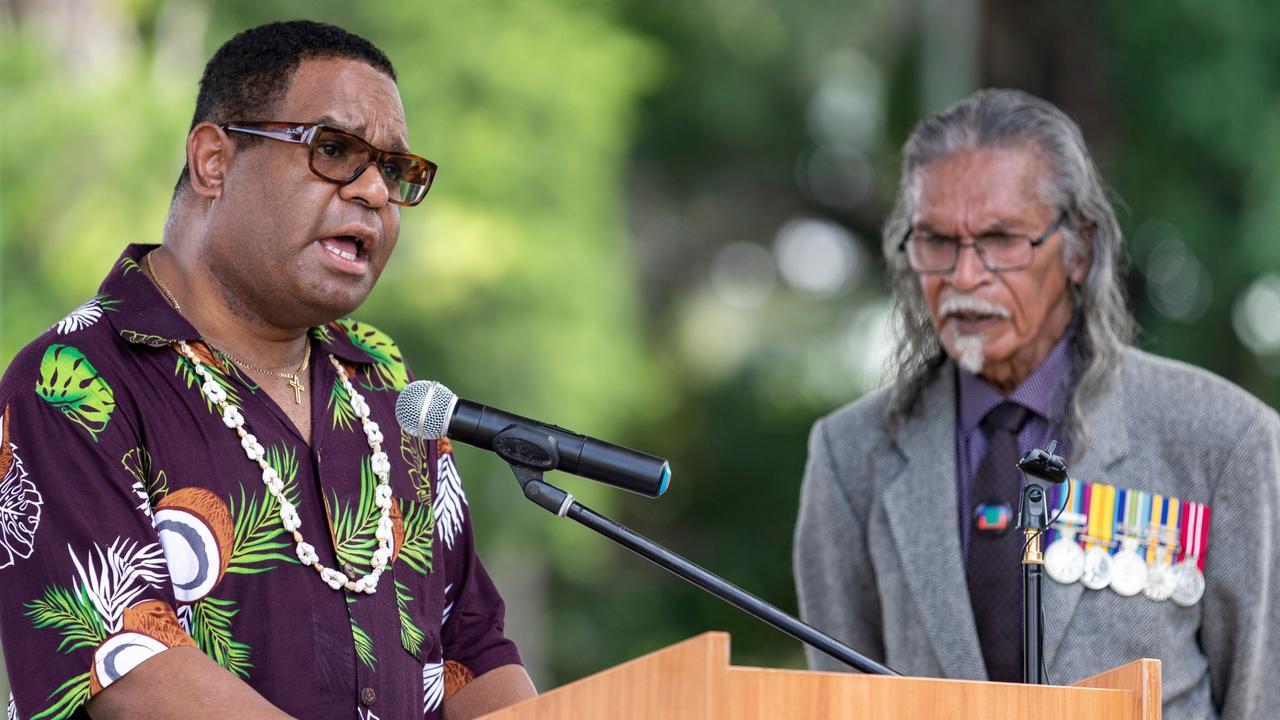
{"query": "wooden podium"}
[(693, 680)]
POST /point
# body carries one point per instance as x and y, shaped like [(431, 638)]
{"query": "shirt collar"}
[(144, 316), (1044, 392), (335, 338)]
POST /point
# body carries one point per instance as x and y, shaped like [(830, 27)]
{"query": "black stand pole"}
[(530, 453), (1033, 520), (1037, 466)]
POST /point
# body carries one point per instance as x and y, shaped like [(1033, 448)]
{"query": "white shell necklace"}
[(381, 465)]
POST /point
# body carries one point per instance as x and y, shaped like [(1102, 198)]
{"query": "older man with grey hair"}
[(1004, 258)]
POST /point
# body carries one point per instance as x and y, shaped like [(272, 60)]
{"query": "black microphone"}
[(429, 410)]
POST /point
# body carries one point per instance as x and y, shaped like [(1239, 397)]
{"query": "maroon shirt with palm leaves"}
[(132, 521)]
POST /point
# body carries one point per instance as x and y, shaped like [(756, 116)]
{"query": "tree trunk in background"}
[(949, 52), (1050, 50)]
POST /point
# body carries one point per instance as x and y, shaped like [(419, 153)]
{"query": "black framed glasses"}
[(340, 157), (932, 254)]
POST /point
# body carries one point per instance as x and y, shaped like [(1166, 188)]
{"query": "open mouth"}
[(969, 310), (973, 322), (347, 247), (971, 316)]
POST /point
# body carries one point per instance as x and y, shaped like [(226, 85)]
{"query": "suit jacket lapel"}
[(920, 504), (1106, 443)]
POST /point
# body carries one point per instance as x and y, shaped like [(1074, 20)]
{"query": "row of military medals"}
[(1133, 542)]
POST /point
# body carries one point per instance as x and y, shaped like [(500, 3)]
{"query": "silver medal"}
[(1097, 568), (1128, 570), (1064, 560), (1189, 583), (1160, 583), (1161, 580)]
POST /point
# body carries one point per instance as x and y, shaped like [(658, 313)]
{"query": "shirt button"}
[(367, 696), (349, 571)]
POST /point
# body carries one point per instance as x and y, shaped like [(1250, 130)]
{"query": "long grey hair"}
[(1010, 118)]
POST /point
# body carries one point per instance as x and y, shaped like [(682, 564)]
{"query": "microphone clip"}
[(531, 453), (524, 446), (1044, 464)]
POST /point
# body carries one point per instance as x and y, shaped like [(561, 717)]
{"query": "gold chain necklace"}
[(293, 377), (294, 381), (160, 283)]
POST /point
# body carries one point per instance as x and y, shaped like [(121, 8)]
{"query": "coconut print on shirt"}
[(99, 610), (112, 450), (205, 539)]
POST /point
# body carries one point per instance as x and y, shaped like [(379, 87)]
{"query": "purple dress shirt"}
[(1045, 393), (133, 522)]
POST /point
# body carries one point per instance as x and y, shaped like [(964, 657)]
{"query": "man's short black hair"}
[(249, 75)]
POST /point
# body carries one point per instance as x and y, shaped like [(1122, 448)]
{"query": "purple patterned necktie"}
[(993, 570)]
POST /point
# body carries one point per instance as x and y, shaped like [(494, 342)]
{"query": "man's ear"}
[(1078, 270), (209, 151)]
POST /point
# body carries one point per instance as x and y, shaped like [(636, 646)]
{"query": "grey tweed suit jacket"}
[(877, 551)]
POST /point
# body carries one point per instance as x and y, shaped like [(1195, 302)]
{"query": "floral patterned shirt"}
[(132, 521)]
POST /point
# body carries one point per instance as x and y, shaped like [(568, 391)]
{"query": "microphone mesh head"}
[(425, 408)]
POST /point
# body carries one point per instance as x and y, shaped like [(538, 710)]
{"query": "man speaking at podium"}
[(208, 508), (1003, 254)]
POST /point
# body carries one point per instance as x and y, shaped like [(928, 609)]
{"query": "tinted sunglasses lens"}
[(337, 156)]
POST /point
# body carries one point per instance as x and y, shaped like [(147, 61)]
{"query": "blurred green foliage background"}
[(657, 222)]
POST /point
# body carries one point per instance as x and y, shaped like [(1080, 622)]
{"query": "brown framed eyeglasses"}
[(340, 157)]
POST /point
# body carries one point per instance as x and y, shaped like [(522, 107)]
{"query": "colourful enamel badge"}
[(993, 517)]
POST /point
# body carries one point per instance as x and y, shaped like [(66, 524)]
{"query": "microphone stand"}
[(1032, 520), (530, 454), (1038, 467)]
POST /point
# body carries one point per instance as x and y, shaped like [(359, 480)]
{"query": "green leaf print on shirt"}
[(72, 614), (387, 371), (419, 530), (354, 527), (411, 635), (223, 371), (72, 695), (69, 382), (364, 645), (322, 333), (260, 539), (210, 626), (340, 406)]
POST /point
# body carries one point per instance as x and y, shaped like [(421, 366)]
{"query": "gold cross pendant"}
[(297, 389)]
